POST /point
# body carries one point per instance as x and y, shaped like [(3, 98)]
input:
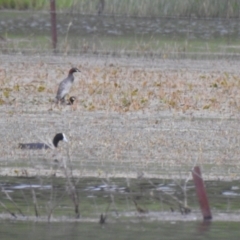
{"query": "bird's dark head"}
[(73, 70), (71, 100), (59, 137)]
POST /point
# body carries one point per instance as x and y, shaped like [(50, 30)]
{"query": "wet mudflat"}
[(157, 118), (118, 145)]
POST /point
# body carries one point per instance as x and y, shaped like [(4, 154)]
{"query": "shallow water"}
[(123, 221), (29, 32), (118, 198), (192, 28), (119, 230)]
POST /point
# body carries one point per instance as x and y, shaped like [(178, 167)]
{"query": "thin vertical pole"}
[(53, 23), (201, 193)]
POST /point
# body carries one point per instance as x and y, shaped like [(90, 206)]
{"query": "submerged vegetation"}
[(146, 8)]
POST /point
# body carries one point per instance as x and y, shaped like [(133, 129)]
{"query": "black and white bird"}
[(58, 137), (65, 85)]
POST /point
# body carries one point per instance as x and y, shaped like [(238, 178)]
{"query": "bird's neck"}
[(71, 77), (55, 142)]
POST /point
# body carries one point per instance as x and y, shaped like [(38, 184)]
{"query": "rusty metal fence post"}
[(53, 24), (201, 193)]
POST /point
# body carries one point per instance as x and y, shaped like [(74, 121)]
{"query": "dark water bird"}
[(71, 100), (58, 137), (65, 85)]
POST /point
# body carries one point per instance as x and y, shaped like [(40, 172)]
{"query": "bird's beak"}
[(78, 70)]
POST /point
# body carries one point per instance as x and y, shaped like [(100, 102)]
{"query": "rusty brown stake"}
[(201, 193), (53, 23)]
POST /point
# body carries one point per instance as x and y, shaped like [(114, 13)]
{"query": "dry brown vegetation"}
[(115, 88)]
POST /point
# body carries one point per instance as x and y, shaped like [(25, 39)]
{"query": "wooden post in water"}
[(201, 193), (53, 23)]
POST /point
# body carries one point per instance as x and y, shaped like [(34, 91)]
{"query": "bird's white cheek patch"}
[(64, 138)]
